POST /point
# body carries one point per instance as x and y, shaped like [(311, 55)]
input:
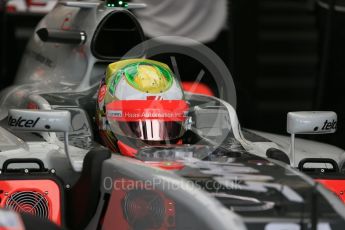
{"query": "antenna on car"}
[(124, 4), (314, 207), (109, 3)]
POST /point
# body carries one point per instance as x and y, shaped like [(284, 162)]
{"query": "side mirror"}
[(322, 122), (39, 120), (312, 122), (28, 120)]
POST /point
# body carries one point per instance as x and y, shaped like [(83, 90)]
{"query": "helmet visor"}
[(150, 130), (148, 120)]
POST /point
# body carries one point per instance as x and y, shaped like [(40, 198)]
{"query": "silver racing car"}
[(221, 176)]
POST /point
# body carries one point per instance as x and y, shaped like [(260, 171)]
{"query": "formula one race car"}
[(36, 6), (59, 126)]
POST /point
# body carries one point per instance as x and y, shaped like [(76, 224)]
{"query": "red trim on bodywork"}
[(35, 3), (199, 88), (11, 9), (336, 186), (166, 165), (126, 150)]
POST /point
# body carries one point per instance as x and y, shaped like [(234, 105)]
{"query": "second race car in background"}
[(31, 6)]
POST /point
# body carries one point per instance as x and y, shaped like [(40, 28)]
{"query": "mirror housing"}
[(311, 122), (321, 122), (32, 120), (39, 120)]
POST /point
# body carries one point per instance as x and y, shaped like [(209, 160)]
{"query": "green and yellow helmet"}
[(140, 99)]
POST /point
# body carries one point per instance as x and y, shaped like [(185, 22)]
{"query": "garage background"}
[(284, 55)]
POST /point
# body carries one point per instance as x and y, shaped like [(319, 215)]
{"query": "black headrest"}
[(84, 195)]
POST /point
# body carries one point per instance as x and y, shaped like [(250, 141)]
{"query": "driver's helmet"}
[(140, 102)]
